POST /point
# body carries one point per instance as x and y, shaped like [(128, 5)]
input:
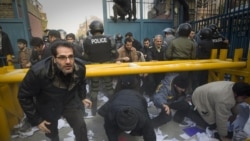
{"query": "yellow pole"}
[(135, 68), (4, 130)]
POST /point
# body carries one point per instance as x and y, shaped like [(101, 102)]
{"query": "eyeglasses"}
[(64, 58)]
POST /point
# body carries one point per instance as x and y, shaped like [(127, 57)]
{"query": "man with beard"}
[(56, 87), (127, 53)]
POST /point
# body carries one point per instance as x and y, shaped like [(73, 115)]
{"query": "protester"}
[(56, 87), (127, 112), (127, 53), (38, 46), (24, 54), (135, 43), (170, 94), (214, 102), (78, 48)]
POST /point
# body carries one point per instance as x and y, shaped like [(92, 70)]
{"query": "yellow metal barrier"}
[(11, 113)]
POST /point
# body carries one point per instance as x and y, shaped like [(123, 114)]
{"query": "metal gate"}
[(232, 18)]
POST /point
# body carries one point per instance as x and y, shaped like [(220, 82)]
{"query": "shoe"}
[(28, 132), (183, 124), (210, 133), (88, 114), (26, 126), (150, 103), (113, 18), (187, 123)]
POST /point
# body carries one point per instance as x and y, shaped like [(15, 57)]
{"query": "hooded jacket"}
[(45, 91)]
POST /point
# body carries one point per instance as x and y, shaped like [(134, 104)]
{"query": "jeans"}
[(74, 117)]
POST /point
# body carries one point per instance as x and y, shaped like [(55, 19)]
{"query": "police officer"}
[(99, 49), (204, 47), (169, 35), (220, 42), (205, 44), (182, 47), (118, 40)]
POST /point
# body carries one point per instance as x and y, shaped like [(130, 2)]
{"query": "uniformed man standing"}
[(220, 42), (99, 49)]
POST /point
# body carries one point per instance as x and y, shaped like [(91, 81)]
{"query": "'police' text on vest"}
[(99, 41)]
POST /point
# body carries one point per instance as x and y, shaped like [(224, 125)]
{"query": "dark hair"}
[(54, 33), (128, 34), (127, 40), (71, 35), (181, 81), (36, 41), (241, 89), (22, 41), (146, 39), (128, 81), (58, 43)]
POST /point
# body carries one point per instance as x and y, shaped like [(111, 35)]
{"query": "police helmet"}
[(118, 36), (184, 29), (213, 27), (96, 26), (205, 33), (169, 30)]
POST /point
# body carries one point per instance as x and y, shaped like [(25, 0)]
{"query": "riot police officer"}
[(169, 35), (220, 42), (99, 49), (182, 47), (205, 44), (118, 40), (204, 47)]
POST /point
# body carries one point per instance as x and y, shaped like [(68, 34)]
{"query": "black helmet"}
[(184, 29), (169, 30), (118, 36), (205, 33), (213, 27), (96, 26)]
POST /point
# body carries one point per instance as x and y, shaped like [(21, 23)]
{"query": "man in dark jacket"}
[(135, 42), (127, 112), (5, 47), (39, 47), (56, 87)]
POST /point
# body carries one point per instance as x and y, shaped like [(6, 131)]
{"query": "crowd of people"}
[(55, 84)]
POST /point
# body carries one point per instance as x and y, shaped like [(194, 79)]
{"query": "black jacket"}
[(132, 98), (6, 45), (204, 49), (45, 91), (155, 55)]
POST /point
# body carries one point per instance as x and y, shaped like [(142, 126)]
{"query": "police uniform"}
[(218, 41), (99, 49)]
